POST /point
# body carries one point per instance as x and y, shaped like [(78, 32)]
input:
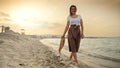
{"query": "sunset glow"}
[(20, 15), (100, 17)]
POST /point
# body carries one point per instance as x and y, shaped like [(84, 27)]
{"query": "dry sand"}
[(21, 51)]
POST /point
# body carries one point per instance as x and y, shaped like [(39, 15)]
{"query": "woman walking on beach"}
[(74, 27)]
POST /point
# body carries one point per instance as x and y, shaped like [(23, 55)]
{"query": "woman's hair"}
[(71, 8)]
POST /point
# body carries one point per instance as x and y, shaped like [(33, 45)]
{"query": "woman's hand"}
[(82, 36), (63, 36)]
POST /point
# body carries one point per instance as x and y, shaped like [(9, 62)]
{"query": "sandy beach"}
[(96, 55), (21, 51)]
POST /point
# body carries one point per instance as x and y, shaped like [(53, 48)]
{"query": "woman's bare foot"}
[(59, 54), (76, 64), (68, 59)]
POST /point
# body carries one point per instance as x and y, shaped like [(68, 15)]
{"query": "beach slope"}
[(21, 51)]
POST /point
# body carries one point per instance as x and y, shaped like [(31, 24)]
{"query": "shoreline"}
[(65, 56), (18, 51), (88, 53)]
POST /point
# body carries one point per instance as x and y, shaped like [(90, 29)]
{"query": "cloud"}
[(54, 25), (48, 25), (7, 19), (4, 14), (43, 24), (105, 3)]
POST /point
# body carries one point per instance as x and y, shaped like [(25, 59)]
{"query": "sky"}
[(101, 18)]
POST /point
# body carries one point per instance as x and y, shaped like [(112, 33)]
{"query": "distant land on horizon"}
[(59, 36)]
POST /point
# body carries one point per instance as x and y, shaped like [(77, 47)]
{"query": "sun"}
[(29, 15), (20, 15)]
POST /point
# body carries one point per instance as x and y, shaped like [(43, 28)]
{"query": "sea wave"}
[(102, 52)]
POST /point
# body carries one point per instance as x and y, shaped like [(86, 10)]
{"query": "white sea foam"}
[(96, 52)]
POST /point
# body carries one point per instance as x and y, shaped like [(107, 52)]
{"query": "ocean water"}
[(95, 52)]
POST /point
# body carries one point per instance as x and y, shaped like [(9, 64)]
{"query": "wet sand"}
[(21, 51)]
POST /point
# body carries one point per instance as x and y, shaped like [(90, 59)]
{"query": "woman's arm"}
[(66, 28), (82, 29)]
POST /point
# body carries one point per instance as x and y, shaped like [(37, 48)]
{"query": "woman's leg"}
[(71, 56), (75, 57)]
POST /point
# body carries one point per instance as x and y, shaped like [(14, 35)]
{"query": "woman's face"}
[(73, 10)]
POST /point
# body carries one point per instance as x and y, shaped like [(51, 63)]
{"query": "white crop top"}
[(73, 21)]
